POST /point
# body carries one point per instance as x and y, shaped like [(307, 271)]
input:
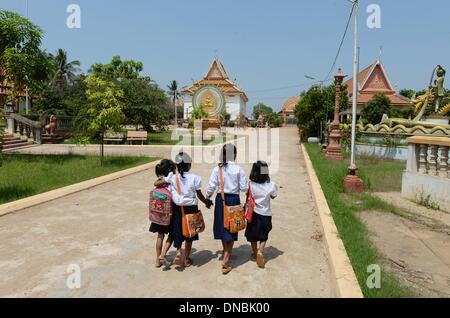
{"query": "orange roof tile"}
[(289, 105)]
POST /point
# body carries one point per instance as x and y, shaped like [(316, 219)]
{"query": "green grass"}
[(353, 232), (26, 175), (165, 138)]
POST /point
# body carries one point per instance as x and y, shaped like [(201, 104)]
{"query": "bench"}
[(137, 136), (114, 137)]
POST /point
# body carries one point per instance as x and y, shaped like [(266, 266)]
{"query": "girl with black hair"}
[(190, 185), (263, 190), (234, 182), (163, 169)]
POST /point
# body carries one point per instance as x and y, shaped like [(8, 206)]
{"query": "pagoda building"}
[(216, 93), (288, 111), (371, 81)]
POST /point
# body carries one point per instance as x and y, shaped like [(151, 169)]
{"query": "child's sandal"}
[(188, 263), (260, 259), (226, 269), (177, 260)]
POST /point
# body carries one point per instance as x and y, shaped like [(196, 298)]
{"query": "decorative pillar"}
[(433, 161), (423, 159), (334, 151), (443, 165)]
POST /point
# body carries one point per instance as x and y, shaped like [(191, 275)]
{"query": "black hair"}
[(260, 172), (229, 153), (165, 167), (183, 162)]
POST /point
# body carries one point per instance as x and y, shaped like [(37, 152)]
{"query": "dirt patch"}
[(417, 255)]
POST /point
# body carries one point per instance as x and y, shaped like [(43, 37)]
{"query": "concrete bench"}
[(137, 136), (114, 137)]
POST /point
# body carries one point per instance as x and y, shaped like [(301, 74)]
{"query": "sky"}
[(268, 46)]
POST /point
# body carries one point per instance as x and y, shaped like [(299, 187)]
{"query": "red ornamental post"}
[(334, 151)]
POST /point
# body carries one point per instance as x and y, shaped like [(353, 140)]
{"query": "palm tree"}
[(174, 93), (64, 72)]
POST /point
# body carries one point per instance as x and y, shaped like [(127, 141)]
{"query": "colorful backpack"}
[(160, 207)]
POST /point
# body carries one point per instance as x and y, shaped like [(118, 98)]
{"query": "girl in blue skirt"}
[(235, 181), (191, 192)]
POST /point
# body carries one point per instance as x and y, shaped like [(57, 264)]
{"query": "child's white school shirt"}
[(234, 180), (189, 185), (263, 193)]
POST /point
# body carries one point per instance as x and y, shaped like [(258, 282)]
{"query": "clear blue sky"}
[(264, 44)]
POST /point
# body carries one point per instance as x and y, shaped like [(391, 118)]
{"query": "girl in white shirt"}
[(263, 190), (235, 181), (190, 185)]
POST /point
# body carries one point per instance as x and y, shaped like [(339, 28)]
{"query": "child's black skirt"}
[(259, 229), (178, 237)]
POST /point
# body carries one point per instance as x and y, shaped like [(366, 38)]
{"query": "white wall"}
[(234, 103)]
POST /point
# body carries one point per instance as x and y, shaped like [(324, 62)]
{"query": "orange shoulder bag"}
[(192, 224), (233, 216)]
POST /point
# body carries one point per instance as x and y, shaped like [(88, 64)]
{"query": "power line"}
[(342, 41)]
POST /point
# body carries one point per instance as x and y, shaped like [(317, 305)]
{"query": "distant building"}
[(288, 111), (371, 81), (217, 93), (5, 88)]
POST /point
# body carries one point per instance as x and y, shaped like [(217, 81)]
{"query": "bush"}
[(231, 123), (253, 124)]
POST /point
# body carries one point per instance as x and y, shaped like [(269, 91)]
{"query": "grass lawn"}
[(165, 138), (379, 175), (26, 175)]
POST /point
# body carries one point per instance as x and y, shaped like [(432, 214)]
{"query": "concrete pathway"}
[(105, 231)]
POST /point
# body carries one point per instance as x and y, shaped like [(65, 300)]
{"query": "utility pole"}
[(351, 182), (26, 87)]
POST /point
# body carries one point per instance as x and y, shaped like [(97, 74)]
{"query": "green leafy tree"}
[(24, 64), (274, 120), (105, 108), (261, 108), (144, 103), (118, 69), (375, 109), (64, 72), (316, 106), (408, 93)]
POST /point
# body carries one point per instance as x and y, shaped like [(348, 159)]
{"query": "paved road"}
[(105, 231)]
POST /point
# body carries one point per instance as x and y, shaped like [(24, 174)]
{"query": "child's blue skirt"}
[(220, 233), (178, 237)]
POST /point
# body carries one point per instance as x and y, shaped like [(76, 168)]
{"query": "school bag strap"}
[(222, 190), (179, 192)]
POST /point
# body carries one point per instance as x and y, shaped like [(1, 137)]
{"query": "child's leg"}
[(262, 245), (227, 253), (166, 249), (159, 243), (254, 249), (187, 253)]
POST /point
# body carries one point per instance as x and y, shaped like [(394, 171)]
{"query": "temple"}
[(216, 93), (288, 111), (5, 90), (373, 80)]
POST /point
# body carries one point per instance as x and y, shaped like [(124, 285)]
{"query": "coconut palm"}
[(64, 71), (174, 93)]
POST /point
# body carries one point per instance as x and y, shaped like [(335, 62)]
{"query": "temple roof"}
[(217, 76), (289, 105), (372, 80)]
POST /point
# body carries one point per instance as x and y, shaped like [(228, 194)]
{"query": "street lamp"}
[(351, 182)]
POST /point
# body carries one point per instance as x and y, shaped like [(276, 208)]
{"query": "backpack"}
[(160, 206)]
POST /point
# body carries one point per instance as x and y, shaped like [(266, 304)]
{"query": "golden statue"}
[(209, 102)]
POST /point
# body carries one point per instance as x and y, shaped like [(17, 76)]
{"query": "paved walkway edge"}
[(21, 204), (345, 281)]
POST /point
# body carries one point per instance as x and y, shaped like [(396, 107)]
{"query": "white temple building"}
[(216, 92)]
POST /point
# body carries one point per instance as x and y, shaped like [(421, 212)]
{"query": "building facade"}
[(371, 81), (288, 111), (217, 93)]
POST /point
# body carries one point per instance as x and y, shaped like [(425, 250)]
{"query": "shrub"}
[(376, 108)]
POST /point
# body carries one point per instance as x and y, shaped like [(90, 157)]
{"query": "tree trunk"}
[(176, 111)]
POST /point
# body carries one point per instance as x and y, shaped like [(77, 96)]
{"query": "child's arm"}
[(274, 192), (202, 198)]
